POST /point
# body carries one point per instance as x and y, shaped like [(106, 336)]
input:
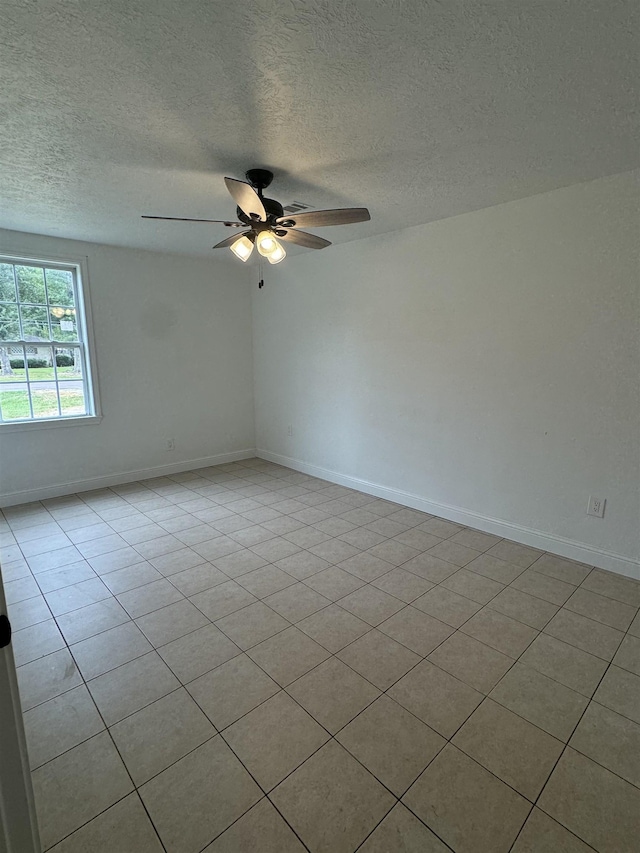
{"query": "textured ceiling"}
[(418, 109)]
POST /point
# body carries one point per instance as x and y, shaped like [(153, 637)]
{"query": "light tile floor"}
[(245, 658)]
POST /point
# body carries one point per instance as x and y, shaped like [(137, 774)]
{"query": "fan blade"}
[(246, 198), (229, 240), (301, 238), (318, 218), (181, 219)]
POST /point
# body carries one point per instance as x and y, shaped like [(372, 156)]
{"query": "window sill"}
[(19, 426)]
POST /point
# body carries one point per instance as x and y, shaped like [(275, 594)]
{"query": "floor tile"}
[(296, 601), (363, 538), (466, 806), (378, 658), (402, 832), (36, 641), (600, 808), (634, 628), (115, 560), (614, 586), (231, 690), (371, 604), (502, 633), (475, 539), (275, 549), (403, 585), (628, 655), (334, 550), (447, 606), (239, 563), (252, 625), (366, 566), (453, 553), (437, 698), (524, 607), (130, 577), (394, 552), (93, 619), (619, 690), (513, 552), (146, 599), (331, 801), (110, 649), (514, 750), (416, 630), (78, 595), (544, 587), (59, 578), (302, 565), (471, 661), (611, 740), (54, 559), (265, 581), (60, 724), (606, 610), (564, 570), (194, 654), (393, 744), (167, 624), (274, 739), (440, 527), (542, 834), (473, 586), (46, 677), (209, 782), (334, 583), (124, 827), (418, 539), (261, 828), (333, 627), (492, 567), (564, 663), (223, 599), (288, 655), (333, 694), (198, 579), (130, 687), (28, 612), (430, 568), (68, 791), (593, 637), (544, 702), (158, 735)]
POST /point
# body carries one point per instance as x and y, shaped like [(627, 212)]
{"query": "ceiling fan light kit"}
[(265, 219)]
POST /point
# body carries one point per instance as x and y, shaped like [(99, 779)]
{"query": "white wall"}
[(173, 344), (487, 363)]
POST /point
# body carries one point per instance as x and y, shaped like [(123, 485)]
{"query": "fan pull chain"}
[(261, 276)]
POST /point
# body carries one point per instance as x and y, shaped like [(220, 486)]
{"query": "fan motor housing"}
[(273, 208)]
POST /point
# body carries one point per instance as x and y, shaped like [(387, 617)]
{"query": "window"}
[(45, 371)]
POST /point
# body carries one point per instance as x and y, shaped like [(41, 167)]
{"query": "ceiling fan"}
[(267, 221)]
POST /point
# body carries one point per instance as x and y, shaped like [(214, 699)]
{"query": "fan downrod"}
[(259, 178)]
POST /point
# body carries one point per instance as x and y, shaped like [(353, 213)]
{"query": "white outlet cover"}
[(596, 506)]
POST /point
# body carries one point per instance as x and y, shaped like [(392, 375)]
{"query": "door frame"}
[(18, 823)]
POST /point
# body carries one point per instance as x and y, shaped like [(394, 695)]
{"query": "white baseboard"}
[(506, 529), (39, 494)]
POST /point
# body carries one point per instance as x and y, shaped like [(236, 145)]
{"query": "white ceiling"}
[(419, 109)]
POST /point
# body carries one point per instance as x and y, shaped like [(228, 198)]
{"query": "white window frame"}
[(84, 320)]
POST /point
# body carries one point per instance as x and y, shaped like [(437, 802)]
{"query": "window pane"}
[(9, 323), (63, 323), (44, 400), (11, 365), (14, 405), (69, 363), (7, 283), (35, 322), (30, 283), (72, 401), (60, 288)]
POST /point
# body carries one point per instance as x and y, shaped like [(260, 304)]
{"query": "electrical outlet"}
[(171, 444), (596, 506), (289, 430)]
